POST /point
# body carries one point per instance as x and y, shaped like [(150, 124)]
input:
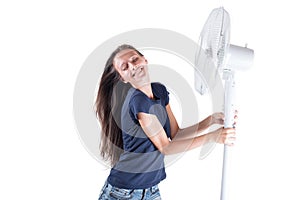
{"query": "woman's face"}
[(132, 67)]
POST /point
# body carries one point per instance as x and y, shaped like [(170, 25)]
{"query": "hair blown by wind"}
[(110, 97)]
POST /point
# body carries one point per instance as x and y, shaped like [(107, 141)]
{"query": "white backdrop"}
[(43, 46)]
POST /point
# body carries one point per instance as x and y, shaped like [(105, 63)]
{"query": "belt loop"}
[(152, 189), (143, 195)]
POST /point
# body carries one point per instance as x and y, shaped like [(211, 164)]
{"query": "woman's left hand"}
[(218, 118)]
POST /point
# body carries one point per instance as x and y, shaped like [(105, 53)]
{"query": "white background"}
[(43, 46)]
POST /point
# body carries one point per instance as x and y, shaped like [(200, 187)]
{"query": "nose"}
[(132, 66)]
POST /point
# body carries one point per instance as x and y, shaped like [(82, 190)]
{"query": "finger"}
[(229, 130), (220, 121), (217, 118), (230, 141), (231, 137), (221, 115), (230, 144)]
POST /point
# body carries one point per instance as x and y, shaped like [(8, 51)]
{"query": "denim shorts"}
[(110, 192)]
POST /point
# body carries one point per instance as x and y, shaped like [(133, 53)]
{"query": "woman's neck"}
[(147, 89)]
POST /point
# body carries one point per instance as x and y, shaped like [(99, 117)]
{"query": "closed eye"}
[(124, 67), (135, 59)]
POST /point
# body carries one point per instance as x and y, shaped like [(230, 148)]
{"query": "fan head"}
[(212, 48)]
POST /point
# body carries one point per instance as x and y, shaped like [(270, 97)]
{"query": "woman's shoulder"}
[(159, 89), (135, 95), (159, 86)]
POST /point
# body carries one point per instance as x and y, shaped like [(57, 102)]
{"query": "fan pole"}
[(229, 97)]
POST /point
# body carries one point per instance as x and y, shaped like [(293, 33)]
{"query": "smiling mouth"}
[(138, 70)]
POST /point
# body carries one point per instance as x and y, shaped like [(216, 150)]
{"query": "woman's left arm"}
[(194, 130)]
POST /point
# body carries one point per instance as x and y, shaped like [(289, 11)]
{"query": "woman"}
[(139, 128)]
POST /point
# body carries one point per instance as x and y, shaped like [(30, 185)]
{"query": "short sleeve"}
[(139, 103), (166, 95), (162, 92)]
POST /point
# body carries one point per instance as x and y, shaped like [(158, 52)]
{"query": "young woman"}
[(139, 128)]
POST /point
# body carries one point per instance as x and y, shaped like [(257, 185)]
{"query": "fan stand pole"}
[(229, 96)]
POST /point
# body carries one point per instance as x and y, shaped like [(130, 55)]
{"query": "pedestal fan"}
[(216, 57)]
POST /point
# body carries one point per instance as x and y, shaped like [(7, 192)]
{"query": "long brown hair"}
[(111, 95)]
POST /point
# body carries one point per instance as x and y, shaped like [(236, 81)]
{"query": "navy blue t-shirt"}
[(141, 165)]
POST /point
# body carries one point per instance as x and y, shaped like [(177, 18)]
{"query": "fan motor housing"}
[(239, 58)]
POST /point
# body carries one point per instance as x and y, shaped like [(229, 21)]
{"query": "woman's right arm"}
[(157, 135), (194, 130)]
